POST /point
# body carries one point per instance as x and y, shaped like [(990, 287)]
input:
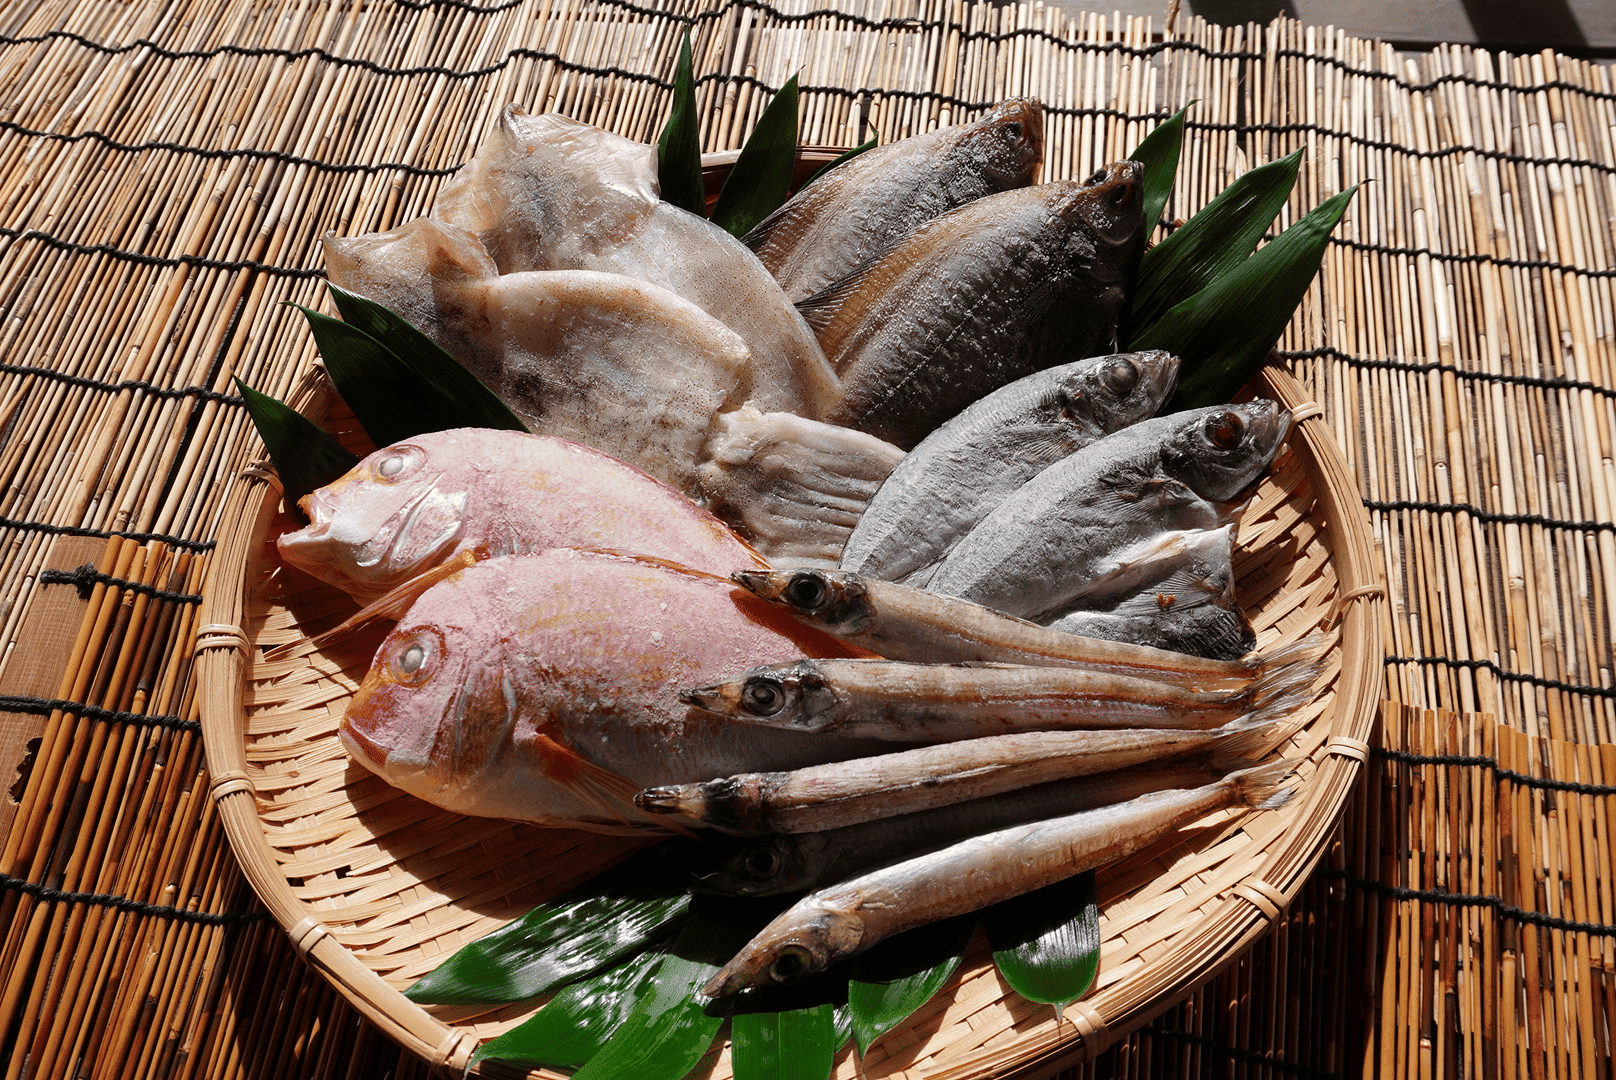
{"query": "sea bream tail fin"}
[(1264, 787)]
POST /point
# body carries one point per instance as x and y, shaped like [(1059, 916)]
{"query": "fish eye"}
[(1095, 179), (1121, 194), (396, 464), (761, 862), (1225, 430), (412, 662), (1120, 377), (1012, 131), (762, 697), (807, 591), (793, 962)]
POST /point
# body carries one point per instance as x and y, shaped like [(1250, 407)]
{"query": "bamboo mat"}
[(166, 171)]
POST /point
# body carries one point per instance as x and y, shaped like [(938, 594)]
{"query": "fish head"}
[(767, 866), (1007, 144), (1107, 393), (1110, 208), (436, 709), (805, 940), (1221, 451), (395, 514), (792, 695), (835, 600)]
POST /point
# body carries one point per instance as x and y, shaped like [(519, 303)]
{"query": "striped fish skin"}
[(963, 470), (838, 921), (997, 289), (863, 206), (1099, 525)]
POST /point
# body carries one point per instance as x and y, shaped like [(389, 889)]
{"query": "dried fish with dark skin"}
[(1191, 609), (794, 862), (928, 703), (863, 206), (1000, 288), (901, 622), (963, 470), (1099, 525), (843, 919), (862, 789)]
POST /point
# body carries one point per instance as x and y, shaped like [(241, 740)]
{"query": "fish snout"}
[(1020, 124), (1112, 204)]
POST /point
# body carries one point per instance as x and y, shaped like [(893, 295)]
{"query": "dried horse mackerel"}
[(863, 206), (966, 468), (997, 289)]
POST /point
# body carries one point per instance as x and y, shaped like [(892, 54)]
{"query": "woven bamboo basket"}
[(374, 887)]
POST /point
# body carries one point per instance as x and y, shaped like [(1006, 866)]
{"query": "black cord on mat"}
[(86, 577), (123, 903), (22, 525)]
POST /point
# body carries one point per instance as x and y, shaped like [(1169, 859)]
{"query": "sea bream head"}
[(1006, 144), (1221, 451), (395, 513)]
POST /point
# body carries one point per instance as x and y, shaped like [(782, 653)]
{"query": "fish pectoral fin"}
[(602, 790), (397, 600), (819, 309)]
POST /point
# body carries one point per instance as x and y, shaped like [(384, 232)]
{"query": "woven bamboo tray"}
[(375, 887)]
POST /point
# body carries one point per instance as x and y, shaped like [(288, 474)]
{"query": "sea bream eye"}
[(396, 464), (1225, 430), (763, 697), (1120, 377), (413, 660)]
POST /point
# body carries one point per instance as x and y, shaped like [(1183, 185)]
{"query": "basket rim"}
[(1241, 914)]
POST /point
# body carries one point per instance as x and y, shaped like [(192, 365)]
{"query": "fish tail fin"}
[(1253, 736), (1264, 787), (1289, 669)]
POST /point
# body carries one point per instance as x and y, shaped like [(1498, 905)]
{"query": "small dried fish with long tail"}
[(794, 862), (901, 622), (963, 470), (1099, 525), (838, 921), (923, 703), (848, 792), (860, 208), (979, 297)]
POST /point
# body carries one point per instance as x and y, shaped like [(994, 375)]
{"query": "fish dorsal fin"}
[(397, 600), (758, 235), (820, 309)]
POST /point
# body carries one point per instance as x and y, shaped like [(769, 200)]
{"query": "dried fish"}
[(1099, 525), (966, 468), (843, 919), (997, 289), (793, 862), (847, 792), (860, 208), (414, 504)]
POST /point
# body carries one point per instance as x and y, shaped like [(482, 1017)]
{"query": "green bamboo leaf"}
[(761, 178), (574, 1025), (1223, 333), (679, 147), (305, 457), (1211, 243), (463, 400), (868, 144), (901, 974), (1046, 943), (1158, 152), (669, 1028), (798, 1044), (582, 930)]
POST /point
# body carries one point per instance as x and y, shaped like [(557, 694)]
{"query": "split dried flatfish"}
[(901, 622), (1100, 525), (928, 703), (851, 791), (549, 193), (863, 206), (1189, 609), (412, 505), (545, 688), (794, 862), (796, 487), (843, 919), (963, 470), (997, 289)]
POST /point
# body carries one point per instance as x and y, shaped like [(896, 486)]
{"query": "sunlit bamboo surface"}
[(167, 170)]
